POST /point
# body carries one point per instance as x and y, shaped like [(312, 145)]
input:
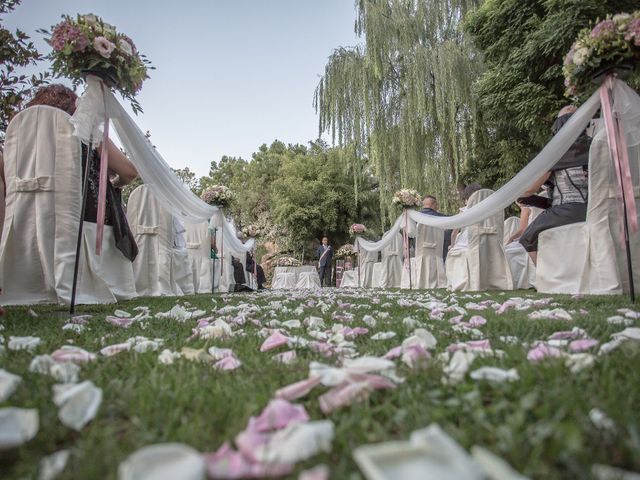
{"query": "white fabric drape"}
[(391, 264), (173, 195), (199, 250)]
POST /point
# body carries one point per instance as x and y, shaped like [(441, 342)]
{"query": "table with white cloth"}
[(287, 277)]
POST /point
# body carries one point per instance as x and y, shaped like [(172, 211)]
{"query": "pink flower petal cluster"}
[(633, 32), (103, 46), (604, 29), (67, 34)]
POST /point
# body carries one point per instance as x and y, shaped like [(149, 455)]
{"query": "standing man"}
[(324, 255), (430, 207)]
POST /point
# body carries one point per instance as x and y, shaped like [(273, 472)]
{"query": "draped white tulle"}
[(167, 188)]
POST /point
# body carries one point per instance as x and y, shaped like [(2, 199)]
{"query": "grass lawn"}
[(540, 423)]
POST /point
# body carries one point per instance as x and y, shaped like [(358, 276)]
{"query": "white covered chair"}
[(523, 271), (477, 261), (162, 266), (349, 279), (429, 266), (368, 260), (43, 173), (588, 257), (391, 264), (308, 280), (199, 249)]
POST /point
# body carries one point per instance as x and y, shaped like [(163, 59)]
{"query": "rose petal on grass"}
[(52, 465), (163, 461), (8, 384), (275, 340), (298, 389), (17, 426), (494, 374), (78, 403)]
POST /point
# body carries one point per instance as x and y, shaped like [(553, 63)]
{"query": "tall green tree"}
[(524, 43), (16, 51), (403, 100)]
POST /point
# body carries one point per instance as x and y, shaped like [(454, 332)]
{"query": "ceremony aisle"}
[(564, 401)]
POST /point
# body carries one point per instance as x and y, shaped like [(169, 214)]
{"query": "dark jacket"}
[(326, 260)]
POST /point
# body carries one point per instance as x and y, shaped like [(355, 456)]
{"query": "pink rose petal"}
[(343, 395), (477, 321), (582, 345), (542, 351), (119, 322), (72, 354), (286, 357), (393, 353), (275, 340), (414, 355), (456, 319), (298, 389), (228, 363), (112, 350), (277, 414)]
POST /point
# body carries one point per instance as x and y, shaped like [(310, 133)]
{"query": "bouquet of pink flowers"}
[(615, 41), (251, 231), (407, 198), (88, 45), (218, 195), (357, 229)]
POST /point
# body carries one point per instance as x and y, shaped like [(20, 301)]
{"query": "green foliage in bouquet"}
[(88, 45)]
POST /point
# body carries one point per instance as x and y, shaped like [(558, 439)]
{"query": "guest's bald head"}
[(430, 202)]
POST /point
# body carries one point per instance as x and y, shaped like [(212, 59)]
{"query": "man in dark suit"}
[(324, 255), (430, 207)]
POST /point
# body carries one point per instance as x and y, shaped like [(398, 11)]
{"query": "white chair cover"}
[(349, 279), (405, 281), (588, 257), (37, 251), (376, 275), (309, 280), (199, 250), (368, 260), (2, 194), (284, 280), (160, 268), (523, 271), (391, 264), (429, 269), (481, 265)]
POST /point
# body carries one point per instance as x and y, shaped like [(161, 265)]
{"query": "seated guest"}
[(430, 207), (43, 171), (261, 278), (523, 223), (238, 275), (568, 180)]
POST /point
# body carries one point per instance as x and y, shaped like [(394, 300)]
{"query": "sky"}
[(230, 75)]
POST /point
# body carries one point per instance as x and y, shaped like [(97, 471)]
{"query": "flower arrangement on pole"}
[(407, 198), (345, 251), (288, 261), (251, 231), (357, 229), (613, 43), (86, 45), (218, 195)]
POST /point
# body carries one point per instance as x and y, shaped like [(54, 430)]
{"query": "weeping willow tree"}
[(402, 102)]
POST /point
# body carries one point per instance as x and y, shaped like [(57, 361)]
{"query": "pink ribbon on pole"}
[(102, 185), (405, 240), (619, 154)]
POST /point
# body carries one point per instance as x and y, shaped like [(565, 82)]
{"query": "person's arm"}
[(536, 185), (121, 165), (522, 225)]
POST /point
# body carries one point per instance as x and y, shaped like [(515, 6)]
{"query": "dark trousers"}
[(325, 276)]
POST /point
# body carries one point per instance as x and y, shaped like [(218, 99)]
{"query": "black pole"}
[(85, 186)]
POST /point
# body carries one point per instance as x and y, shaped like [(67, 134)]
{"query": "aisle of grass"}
[(539, 424)]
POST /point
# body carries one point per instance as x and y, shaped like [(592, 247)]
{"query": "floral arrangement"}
[(287, 261), (407, 198), (357, 229), (251, 231), (613, 41), (87, 44), (345, 251), (218, 195)]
